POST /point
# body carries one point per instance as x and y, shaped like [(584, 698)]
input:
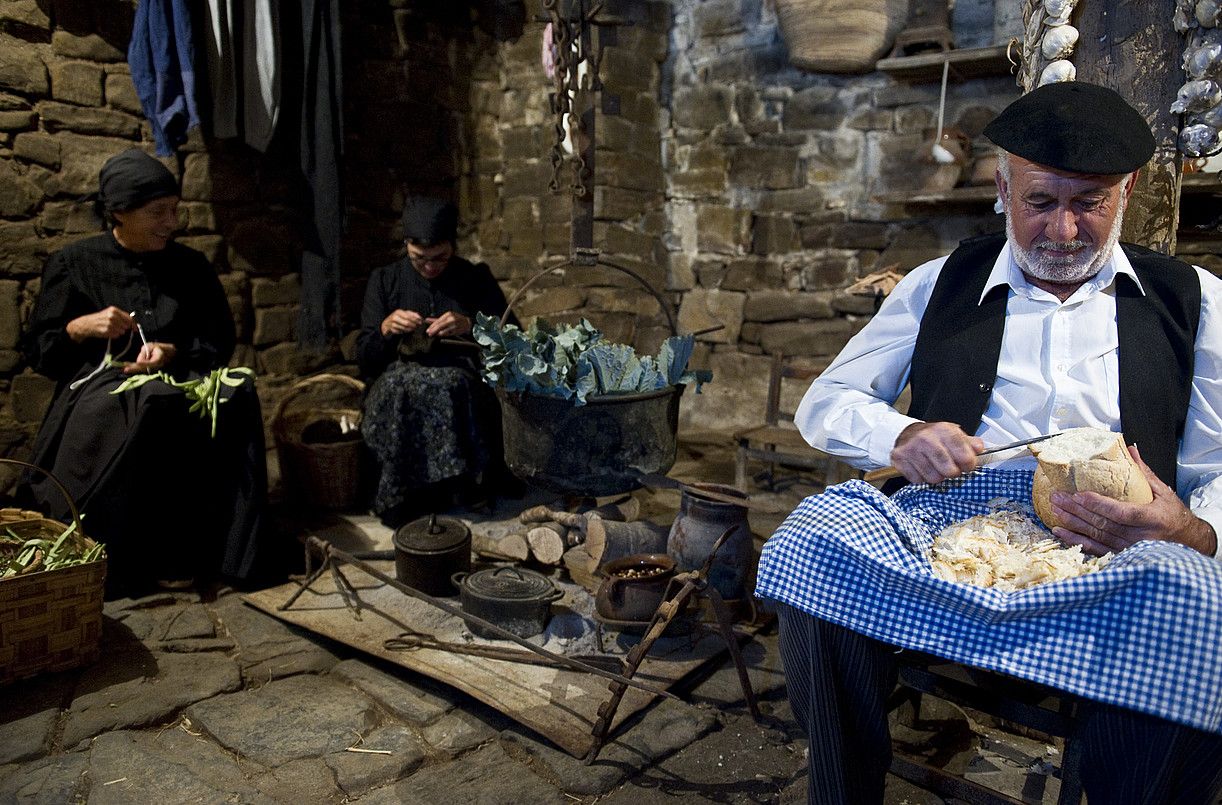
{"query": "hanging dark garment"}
[(163, 495), (322, 128), (161, 56)]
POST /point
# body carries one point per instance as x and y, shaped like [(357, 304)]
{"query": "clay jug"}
[(696, 529)]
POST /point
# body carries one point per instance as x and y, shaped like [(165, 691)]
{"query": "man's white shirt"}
[(1057, 369)]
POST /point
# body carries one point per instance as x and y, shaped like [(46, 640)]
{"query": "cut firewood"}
[(624, 510), (577, 562), (608, 539), (542, 514), (510, 547), (546, 545)]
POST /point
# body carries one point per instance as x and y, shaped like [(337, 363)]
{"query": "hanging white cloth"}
[(261, 71), (222, 67)]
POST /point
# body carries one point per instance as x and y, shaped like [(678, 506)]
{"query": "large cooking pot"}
[(429, 551), (517, 600), (600, 448)]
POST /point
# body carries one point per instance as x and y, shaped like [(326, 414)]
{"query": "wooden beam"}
[(1132, 48)]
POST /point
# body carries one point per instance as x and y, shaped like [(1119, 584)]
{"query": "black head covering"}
[(132, 179), (429, 221), (1074, 126)]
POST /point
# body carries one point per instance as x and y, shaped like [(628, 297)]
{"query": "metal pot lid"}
[(432, 534), (509, 584)]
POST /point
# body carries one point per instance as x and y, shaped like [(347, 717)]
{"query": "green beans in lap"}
[(203, 392)]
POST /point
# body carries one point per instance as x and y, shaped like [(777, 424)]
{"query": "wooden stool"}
[(1025, 703)]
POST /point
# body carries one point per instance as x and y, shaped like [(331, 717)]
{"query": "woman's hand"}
[(931, 452), (448, 323), (108, 323), (153, 357), (401, 322)]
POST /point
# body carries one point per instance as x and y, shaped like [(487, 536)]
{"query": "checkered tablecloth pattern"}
[(1145, 632)]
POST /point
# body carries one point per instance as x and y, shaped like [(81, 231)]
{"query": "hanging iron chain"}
[(568, 38)]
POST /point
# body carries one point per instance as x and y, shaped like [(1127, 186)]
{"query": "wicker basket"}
[(325, 475), (50, 620)]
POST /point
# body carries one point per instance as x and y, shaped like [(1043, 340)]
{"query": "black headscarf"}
[(132, 179), (429, 221)]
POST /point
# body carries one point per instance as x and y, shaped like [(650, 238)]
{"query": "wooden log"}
[(546, 545), (542, 514), (608, 539), (577, 562), (624, 510), (511, 547)]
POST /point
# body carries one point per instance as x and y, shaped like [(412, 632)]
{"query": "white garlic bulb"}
[(1199, 140), (1211, 117), (1059, 70), (1197, 96), (1204, 61), (1185, 16), (1207, 13), (1059, 42), (1058, 11)]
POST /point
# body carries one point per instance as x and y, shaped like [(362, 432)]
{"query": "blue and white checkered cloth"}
[(1145, 632)]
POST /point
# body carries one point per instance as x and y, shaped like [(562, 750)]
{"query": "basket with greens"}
[(51, 587)]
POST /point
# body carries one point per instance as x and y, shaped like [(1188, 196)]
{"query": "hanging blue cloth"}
[(162, 60)]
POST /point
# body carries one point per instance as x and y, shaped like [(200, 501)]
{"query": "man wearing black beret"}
[(1051, 326)]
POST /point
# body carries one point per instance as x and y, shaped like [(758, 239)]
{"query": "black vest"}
[(954, 362)]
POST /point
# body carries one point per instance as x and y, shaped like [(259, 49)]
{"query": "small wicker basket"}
[(325, 475), (50, 620)]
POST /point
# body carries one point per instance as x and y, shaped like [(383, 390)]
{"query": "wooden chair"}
[(777, 441), (1025, 703)]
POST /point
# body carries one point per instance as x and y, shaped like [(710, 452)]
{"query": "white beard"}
[(1060, 262)]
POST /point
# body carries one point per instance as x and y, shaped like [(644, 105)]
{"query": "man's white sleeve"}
[(848, 410), (1200, 459)]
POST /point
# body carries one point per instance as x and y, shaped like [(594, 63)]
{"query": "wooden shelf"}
[(1198, 184), (964, 64)]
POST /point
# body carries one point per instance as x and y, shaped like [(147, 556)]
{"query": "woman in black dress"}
[(169, 500), (431, 422)]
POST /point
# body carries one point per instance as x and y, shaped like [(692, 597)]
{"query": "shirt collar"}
[(1006, 272)]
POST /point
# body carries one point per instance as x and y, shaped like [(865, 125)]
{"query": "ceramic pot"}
[(634, 586), (698, 526)]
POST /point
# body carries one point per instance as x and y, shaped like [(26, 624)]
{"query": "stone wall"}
[(772, 177), (740, 188)]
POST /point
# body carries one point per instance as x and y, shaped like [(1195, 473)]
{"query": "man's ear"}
[(1131, 183), (1002, 188)]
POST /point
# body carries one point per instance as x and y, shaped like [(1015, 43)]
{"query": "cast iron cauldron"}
[(517, 600), (600, 448), (429, 551)]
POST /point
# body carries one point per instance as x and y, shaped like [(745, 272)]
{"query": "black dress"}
[(429, 419), (166, 498)]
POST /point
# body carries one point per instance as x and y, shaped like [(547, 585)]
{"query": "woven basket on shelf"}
[(839, 36), (325, 474), (50, 620)]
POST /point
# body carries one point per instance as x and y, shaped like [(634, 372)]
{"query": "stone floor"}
[(200, 698)]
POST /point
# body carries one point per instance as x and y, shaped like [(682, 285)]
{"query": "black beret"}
[(429, 221), (131, 179), (1074, 126)]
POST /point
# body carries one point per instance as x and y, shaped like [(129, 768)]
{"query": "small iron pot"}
[(514, 599), (429, 551)]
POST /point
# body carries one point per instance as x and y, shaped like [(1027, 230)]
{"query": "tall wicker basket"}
[(325, 475), (50, 620)]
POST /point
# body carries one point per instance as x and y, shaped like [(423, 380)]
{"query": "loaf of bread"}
[(1085, 460)]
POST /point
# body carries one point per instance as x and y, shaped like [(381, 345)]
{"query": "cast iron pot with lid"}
[(515, 599), (429, 551)]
